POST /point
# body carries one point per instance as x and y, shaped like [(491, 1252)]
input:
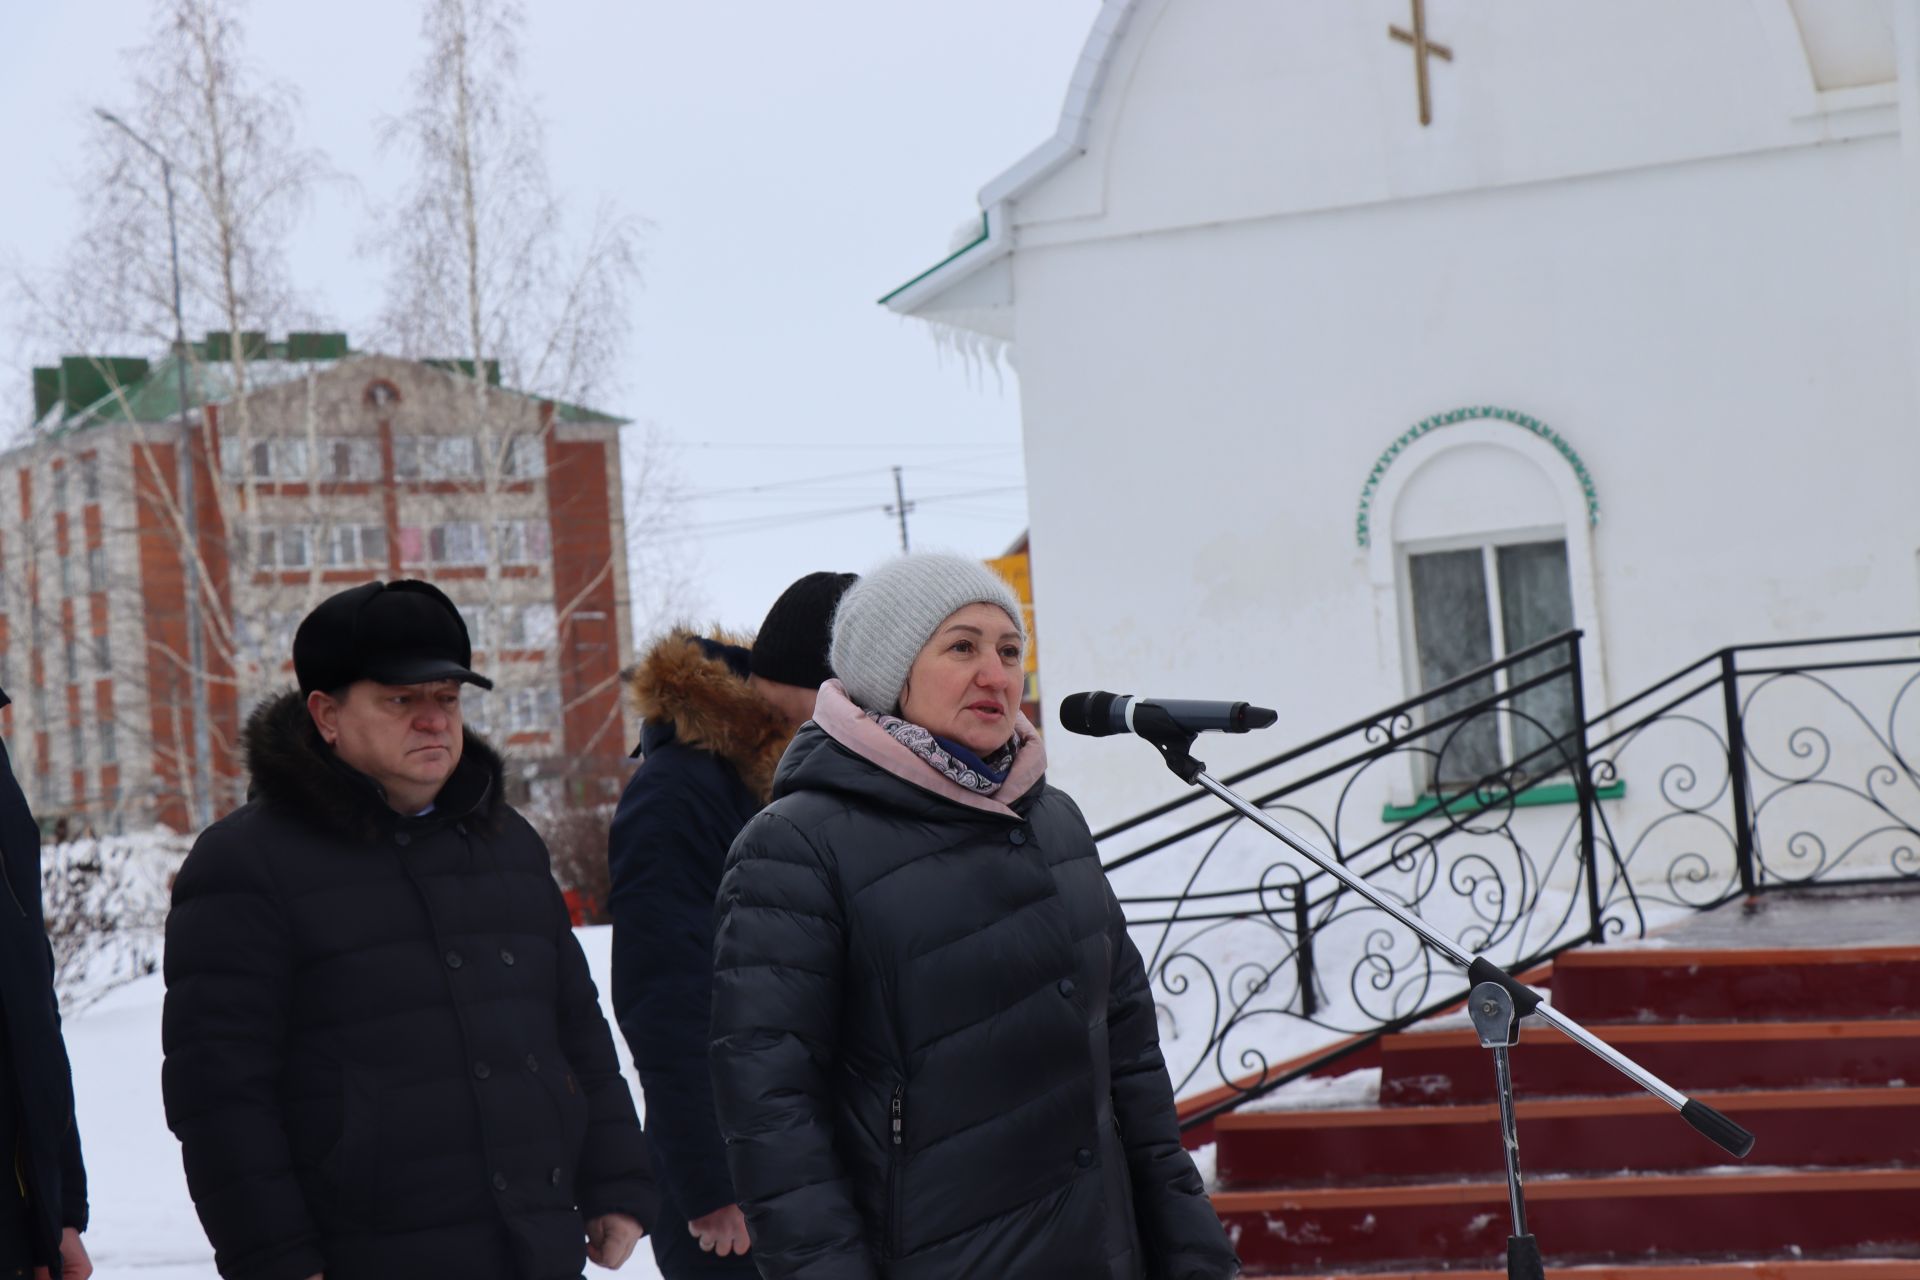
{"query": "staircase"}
[(1798, 1015)]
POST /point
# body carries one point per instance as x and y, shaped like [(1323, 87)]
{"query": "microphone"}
[(1099, 713)]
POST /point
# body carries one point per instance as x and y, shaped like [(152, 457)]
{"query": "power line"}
[(823, 447), (942, 466)]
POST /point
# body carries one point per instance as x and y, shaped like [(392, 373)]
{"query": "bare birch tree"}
[(484, 265), (241, 181)]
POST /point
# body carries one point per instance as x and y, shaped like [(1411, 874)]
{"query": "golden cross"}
[(1421, 48)]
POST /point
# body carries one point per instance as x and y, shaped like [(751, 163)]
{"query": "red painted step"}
[(1772, 1269), (1756, 1214), (1605, 984), (1425, 1067), (1804, 1128)]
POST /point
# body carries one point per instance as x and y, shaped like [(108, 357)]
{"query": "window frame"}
[(1386, 573), (1488, 545)]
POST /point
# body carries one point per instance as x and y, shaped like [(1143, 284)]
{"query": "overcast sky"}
[(795, 161)]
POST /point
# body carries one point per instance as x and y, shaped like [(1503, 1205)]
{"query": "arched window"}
[(1479, 546)]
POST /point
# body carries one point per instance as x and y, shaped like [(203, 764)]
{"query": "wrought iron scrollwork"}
[(1747, 778)]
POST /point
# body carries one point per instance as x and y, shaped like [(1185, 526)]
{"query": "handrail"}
[(1288, 905)]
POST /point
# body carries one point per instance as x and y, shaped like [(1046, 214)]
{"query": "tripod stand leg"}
[(1498, 1023), (1523, 1251), (1523, 1259)]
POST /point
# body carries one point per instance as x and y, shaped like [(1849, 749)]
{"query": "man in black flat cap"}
[(384, 1054), (717, 714)]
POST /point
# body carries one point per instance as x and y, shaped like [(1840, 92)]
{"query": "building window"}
[(265, 459), (290, 460), (109, 743), (347, 545), (268, 637), (77, 742), (96, 568), (59, 488), (435, 458), (526, 458), (288, 546), (350, 458), (73, 659), (66, 575), (522, 541), (477, 620), (90, 477), (458, 542), (532, 626), (532, 711), (1475, 605), (102, 653)]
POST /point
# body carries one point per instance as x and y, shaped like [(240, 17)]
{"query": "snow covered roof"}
[(1069, 141)]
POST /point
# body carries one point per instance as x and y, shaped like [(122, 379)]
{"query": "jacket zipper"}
[(897, 1116)]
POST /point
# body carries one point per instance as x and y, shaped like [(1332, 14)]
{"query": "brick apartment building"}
[(334, 468)]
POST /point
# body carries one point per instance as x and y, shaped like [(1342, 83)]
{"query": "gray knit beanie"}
[(888, 616)]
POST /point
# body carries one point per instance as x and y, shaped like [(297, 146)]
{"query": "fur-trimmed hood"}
[(693, 689), (291, 766)]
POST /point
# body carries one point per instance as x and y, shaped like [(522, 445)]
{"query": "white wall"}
[(1724, 342)]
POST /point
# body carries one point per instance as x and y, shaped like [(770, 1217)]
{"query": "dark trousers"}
[(679, 1255)]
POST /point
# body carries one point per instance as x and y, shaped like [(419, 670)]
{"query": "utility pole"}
[(190, 550), (900, 508)]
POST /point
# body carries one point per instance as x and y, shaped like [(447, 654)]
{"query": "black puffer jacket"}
[(384, 1054), (935, 1054), (46, 1151)]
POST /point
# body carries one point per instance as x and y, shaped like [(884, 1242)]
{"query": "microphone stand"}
[(1496, 1004)]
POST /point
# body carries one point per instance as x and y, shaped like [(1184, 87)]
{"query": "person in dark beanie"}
[(716, 715), (934, 1047), (384, 1055), (43, 1184)]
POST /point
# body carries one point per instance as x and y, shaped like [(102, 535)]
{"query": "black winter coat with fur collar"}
[(384, 1053), (711, 744)]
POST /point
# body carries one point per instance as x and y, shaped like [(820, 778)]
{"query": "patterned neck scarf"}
[(982, 775)]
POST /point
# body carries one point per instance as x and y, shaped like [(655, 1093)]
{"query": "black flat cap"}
[(404, 632)]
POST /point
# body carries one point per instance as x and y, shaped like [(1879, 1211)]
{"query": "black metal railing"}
[(1747, 778)]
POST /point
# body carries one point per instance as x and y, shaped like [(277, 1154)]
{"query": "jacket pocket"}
[(563, 1090), (896, 1166)]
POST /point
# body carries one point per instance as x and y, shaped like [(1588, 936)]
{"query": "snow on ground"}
[(143, 1221), (1353, 1091)]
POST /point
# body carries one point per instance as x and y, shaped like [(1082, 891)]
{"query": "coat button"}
[(1017, 836), (533, 1063), (499, 1182), (1066, 986), (1083, 1158), (453, 960), (481, 1070), (402, 838), (553, 1179), (506, 957)]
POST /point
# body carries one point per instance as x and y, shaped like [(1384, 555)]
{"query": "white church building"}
[(1363, 341)]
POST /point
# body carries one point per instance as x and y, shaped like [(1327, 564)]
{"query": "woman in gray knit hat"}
[(934, 1053)]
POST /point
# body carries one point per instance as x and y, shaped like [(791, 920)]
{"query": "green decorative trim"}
[(1363, 528), (1548, 793), (964, 249)]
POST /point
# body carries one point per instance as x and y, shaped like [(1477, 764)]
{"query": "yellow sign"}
[(1018, 572)]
